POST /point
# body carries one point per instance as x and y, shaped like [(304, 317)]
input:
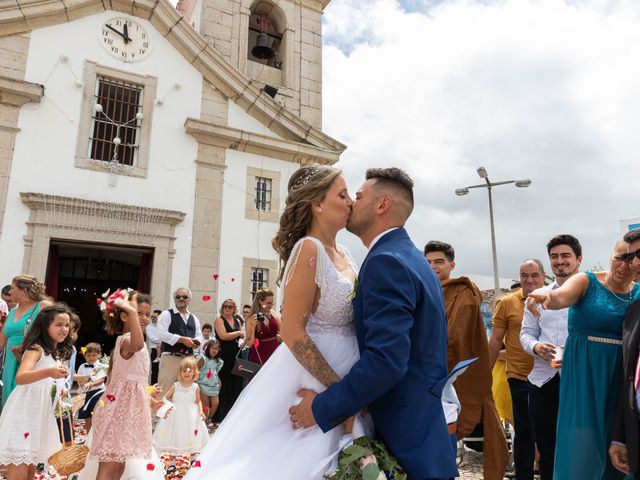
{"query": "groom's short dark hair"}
[(394, 179)]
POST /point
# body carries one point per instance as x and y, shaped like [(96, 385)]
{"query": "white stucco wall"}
[(240, 119), (241, 237), (44, 154)]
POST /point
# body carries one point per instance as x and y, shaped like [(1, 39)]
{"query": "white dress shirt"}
[(164, 321), (375, 240), (552, 327), (152, 335)]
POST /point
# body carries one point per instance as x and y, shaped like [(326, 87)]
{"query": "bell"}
[(263, 49)]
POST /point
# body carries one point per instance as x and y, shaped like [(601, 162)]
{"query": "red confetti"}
[(14, 349), (110, 397), (151, 467), (196, 464), (205, 409), (256, 343), (195, 432), (26, 434), (215, 276), (233, 279), (206, 298), (98, 301), (209, 374)]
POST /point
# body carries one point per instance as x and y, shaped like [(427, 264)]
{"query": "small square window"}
[(259, 279), (263, 194)]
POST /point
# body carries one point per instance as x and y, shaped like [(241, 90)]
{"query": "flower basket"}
[(70, 459)]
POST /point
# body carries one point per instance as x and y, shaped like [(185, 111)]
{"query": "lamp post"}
[(482, 172)]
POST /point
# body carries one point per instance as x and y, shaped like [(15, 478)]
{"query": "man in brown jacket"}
[(468, 339)]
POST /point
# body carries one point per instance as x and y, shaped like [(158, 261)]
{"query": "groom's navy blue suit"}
[(402, 335)]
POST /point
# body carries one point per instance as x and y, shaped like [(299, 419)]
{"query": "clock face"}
[(125, 39)]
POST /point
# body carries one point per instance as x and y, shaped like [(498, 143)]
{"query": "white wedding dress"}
[(256, 440)]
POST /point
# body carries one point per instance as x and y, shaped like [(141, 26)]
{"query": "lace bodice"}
[(184, 395), (334, 315)]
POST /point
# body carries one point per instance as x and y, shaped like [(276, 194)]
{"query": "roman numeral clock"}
[(125, 39)]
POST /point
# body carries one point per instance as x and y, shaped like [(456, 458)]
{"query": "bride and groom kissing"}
[(373, 342)]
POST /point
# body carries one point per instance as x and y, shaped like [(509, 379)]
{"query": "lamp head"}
[(461, 191), (482, 172), (523, 183), (98, 108), (270, 90)]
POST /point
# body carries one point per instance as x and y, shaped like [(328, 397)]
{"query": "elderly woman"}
[(591, 365), (28, 294)]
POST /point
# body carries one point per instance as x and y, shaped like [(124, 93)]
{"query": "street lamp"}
[(482, 173)]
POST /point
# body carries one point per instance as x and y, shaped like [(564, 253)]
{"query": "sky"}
[(530, 89)]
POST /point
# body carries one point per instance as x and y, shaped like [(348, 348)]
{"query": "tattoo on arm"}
[(307, 353)]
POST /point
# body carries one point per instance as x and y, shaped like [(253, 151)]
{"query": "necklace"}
[(625, 300)]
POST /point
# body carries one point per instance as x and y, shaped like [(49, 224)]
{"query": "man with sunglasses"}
[(625, 437), (178, 330)]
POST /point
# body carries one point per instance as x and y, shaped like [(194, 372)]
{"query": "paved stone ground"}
[(471, 467)]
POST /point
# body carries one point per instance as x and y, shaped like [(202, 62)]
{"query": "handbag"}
[(245, 368), (69, 459)]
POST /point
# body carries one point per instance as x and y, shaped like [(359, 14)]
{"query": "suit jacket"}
[(626, 428), (401, 329)]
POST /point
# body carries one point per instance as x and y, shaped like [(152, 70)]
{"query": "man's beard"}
[(565, 274)]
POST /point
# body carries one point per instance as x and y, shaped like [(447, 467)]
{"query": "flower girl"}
[(182, 430), (28, 436)]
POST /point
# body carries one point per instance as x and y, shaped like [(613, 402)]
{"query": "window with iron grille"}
[(259, 279), (121, 102), (263, 194)]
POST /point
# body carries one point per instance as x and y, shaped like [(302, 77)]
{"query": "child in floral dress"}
[(122, 420)]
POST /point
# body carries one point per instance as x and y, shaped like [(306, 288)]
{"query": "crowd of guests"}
[(163, 362), (570, 350), (571, 367)]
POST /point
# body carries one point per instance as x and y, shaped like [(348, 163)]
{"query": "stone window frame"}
[(247, 264), (149, 85), (251, 211)]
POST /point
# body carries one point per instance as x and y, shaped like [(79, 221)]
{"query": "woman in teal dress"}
[(590, 367), (28, 294)]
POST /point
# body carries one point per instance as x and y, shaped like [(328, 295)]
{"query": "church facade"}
[(147, 146)]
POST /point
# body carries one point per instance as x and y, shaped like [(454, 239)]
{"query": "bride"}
[(257, 440)]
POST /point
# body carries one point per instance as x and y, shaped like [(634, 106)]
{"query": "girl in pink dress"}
[(122, 420)]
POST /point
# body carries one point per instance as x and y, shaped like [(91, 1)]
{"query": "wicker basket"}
[(70, 459), (77, 401)]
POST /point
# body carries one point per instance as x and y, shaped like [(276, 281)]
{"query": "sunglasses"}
[(628, 257), (181, 297), (228, 306)]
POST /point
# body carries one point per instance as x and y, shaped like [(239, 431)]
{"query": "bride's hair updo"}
[(308, 185)]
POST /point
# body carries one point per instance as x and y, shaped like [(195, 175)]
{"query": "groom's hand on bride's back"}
[(301, 415)]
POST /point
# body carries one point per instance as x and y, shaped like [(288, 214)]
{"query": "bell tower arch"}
[(274, 42)]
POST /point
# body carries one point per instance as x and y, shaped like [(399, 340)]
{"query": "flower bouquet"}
[(367, 459)]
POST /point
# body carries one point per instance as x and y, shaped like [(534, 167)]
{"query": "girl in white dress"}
[(183, 430), (28, 431), (256, 440)]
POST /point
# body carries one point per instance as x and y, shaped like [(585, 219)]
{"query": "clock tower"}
[(274, 42)]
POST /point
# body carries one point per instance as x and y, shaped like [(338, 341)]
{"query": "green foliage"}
[(349, 462)]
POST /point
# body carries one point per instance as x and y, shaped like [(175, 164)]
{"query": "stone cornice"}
[(259, 144), (25, 15), (41, 201), (18, 92)]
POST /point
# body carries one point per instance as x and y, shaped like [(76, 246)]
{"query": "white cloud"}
[(546, 90)]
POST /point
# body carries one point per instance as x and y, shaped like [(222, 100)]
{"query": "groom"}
[(402, 335)]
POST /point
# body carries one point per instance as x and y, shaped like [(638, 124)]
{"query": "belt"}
[(452, 427), (613, 341), (270, 339)]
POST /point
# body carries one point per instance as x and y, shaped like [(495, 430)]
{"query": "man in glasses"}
[(625, 437), (178, 330)]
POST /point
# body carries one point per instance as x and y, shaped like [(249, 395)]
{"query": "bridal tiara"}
[(303, 179)]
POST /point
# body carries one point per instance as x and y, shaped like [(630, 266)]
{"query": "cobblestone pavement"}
[(471, 467)]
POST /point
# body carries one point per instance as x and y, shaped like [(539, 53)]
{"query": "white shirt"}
[(551, 326), (164, 321), (3, 307), (375, 240), (199, 350), (152, 334)]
